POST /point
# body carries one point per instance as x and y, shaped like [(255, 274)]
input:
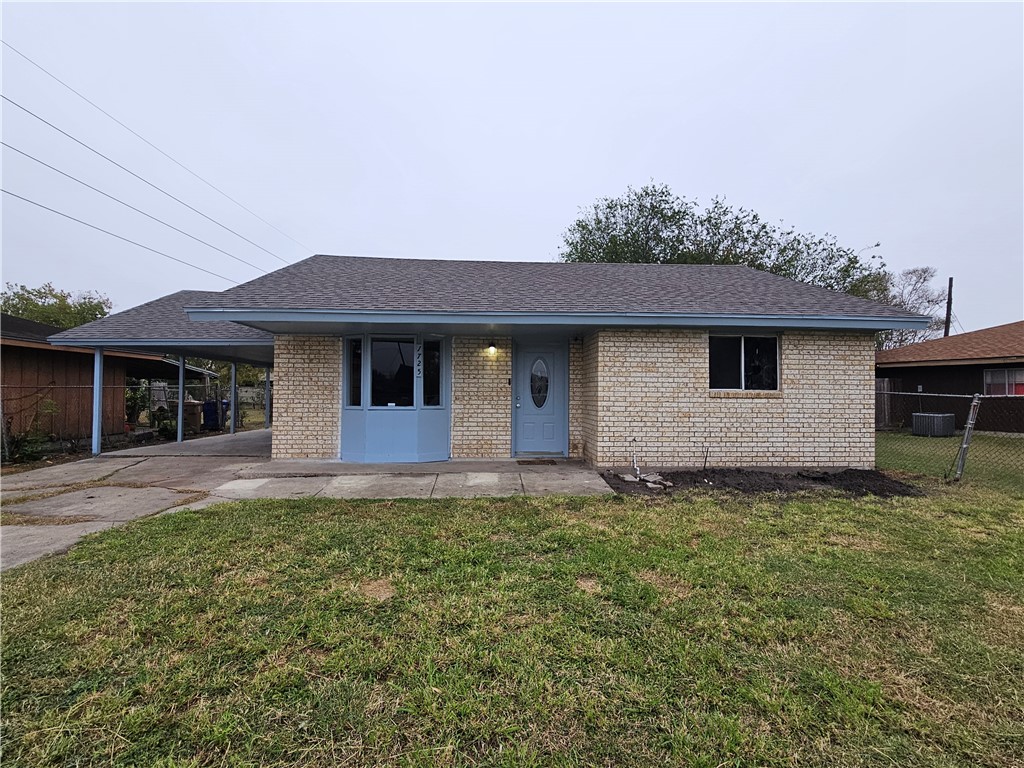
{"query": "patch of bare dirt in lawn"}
[(588, 584), (378, 589), (665, 583), (851, 482)]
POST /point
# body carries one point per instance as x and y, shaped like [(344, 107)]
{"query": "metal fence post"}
[(961, 456)]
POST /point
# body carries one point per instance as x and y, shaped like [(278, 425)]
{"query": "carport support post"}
[(97, 400), (266, 399), (234, 397), (181, 398)]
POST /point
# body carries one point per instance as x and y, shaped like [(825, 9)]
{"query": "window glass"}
[(539, 382), (392, 372), (760, 362), (432, 372), (724, 356), (995, 382), (355, 372), (1004, 381)]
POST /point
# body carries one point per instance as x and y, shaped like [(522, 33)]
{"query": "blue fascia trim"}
[(599, 319)]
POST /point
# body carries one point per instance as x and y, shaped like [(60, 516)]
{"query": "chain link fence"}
[(50, 419), (927, 434)]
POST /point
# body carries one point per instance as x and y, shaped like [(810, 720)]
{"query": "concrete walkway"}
[(75, 499), (254, 443)]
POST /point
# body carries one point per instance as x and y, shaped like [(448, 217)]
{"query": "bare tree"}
[(912, 290)]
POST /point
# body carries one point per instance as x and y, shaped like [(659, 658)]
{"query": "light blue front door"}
[(540, 415)]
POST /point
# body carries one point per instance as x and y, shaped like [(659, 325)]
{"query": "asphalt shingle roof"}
[(12, 327), (162, 319), (356, 283), (1000, 341)]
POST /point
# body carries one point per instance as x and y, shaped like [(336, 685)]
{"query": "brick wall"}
[(307, 397), (653, 385), (588, 400), (481, 398), (577, 385)]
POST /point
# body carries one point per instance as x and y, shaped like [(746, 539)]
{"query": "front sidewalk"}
[(75, 499)]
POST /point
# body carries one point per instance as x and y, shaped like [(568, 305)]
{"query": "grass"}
[(992, 461), (701, 630)]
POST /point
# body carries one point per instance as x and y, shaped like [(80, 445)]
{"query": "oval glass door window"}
[(539, 381)]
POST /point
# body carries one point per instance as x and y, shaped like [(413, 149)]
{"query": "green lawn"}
[(992, 461), (704, 630)]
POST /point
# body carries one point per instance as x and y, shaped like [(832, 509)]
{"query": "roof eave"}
[(595, 319), (136, 342), (1010, 359)]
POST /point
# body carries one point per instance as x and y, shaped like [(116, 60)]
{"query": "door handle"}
[(519, 405)]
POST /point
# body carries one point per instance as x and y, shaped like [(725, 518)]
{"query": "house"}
[(404, 360), (987, 362), (47, 389)]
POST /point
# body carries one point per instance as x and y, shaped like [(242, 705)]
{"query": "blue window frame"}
[(395, 372)]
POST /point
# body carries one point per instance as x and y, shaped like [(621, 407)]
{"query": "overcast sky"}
[(477, 131)]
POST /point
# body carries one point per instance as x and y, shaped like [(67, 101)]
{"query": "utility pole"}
[(949, 306)]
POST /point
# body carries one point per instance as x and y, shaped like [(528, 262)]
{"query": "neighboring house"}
[(986, 362), (47, 390), (414, 360)]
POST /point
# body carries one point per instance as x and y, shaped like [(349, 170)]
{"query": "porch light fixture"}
[(491, 349)]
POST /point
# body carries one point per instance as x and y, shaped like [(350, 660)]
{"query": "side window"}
[(743, 362), (432, 372), (355, 372)]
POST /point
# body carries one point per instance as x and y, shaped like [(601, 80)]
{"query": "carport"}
[(161, 327)]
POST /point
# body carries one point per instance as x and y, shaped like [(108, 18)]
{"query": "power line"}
[(151, 144), (127, 205), (108, 232), (144, 181)]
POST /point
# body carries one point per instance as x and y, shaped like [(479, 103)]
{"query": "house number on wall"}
[(419, 361)]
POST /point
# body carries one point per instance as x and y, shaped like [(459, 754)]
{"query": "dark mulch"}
[(852, 482)]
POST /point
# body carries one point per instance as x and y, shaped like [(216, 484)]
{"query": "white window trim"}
[(1006, 380)]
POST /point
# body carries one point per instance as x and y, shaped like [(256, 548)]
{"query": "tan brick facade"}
[(307, 397), (647, 384), (577, 385), (481, 398), (653, 385)]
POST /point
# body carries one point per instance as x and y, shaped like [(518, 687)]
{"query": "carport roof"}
[(162, 327)]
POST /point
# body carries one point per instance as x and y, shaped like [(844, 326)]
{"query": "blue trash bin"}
[(211, 416)]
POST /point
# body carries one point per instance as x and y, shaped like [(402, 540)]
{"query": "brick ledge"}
[(746, 394)]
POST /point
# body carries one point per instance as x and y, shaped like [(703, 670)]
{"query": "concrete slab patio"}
[(75, 499)]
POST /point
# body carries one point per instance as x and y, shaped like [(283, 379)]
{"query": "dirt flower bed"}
[(852, 482)]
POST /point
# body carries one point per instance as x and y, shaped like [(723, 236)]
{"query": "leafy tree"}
[(53, 306), (245, 375), (912, 290), (652, 225)]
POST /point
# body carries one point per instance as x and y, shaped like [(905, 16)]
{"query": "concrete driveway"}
[(48, 510)]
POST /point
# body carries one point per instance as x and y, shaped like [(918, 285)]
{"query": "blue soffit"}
[(556, 319)]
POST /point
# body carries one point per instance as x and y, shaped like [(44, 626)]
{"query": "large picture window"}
[(392, 373), (743, 362), (1004, 381)]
